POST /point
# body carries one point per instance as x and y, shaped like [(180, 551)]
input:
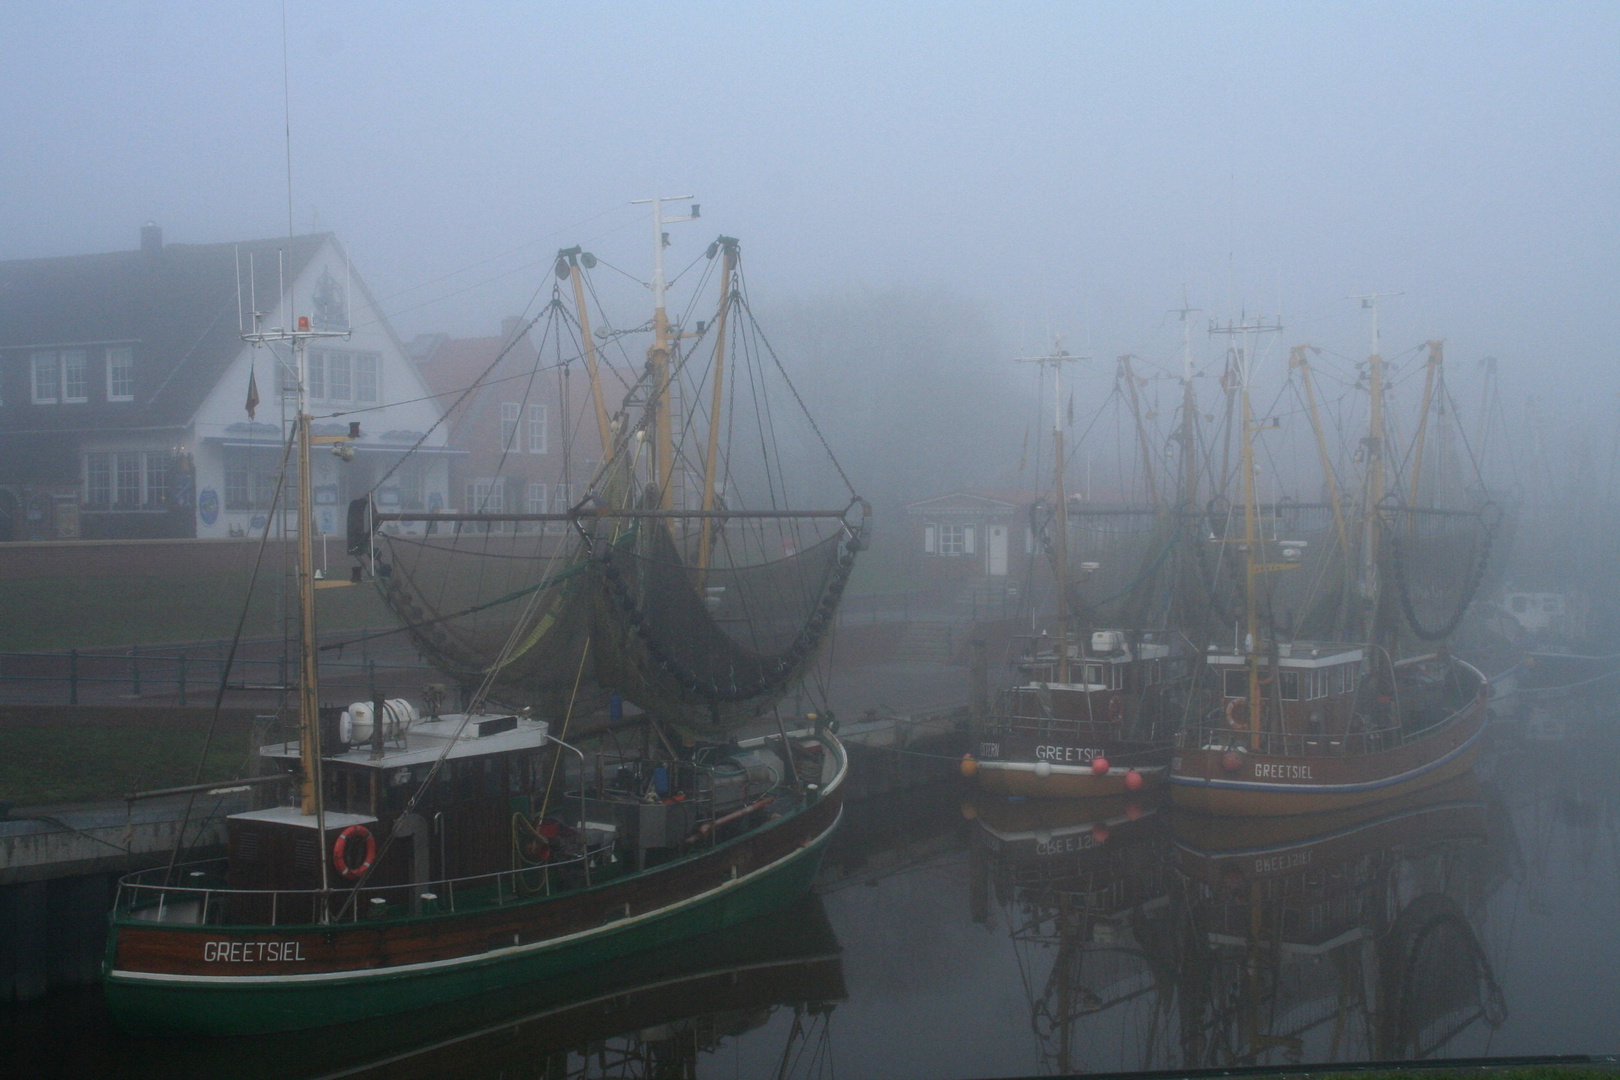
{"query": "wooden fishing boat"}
[(400, 860), (1333, 748), (1307, 725), (218, 949), (1095, 714)]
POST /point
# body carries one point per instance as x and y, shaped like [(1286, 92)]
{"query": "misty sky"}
[(1071, 167)]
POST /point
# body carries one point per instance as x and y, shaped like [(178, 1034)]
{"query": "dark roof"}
[(177, 305)]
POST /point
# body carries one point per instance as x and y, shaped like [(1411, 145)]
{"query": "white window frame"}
[(315, 376), (120, 357), (368, 366), (336, 362), (535, 425), (510, 413), (48, 356), (953, 540), (81, 357)]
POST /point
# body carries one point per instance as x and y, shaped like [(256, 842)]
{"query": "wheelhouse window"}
[(1236, 682), (1288, 685), (120, 373)]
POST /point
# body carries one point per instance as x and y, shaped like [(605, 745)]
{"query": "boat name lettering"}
[(1282, 772), (1064, 845), (1271, 864), (1066, 753), (251, 952)]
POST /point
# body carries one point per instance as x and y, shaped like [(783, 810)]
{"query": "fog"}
[(932, 189)]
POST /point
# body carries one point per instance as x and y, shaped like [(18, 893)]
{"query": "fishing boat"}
[(1099, 701), (405, 857), (1312, 723)]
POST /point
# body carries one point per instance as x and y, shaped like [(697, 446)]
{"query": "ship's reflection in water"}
[(962, 936), (1150, 939)]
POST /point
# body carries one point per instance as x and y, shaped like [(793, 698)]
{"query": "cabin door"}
[(996, 551)]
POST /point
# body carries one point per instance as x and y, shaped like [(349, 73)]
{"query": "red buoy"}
[(1133, 781), (1099, 765), (1133, 812), (1099, 834), (1232, 761)]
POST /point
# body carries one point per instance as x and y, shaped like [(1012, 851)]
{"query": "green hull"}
[(227, 1006)]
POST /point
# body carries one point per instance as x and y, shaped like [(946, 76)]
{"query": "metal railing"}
[(74, 677), (152, 896)]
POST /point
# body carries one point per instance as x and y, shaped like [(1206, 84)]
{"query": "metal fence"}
[(190, 675)]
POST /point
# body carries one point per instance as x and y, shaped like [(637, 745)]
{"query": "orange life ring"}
[(340, 852), (1231, 710)]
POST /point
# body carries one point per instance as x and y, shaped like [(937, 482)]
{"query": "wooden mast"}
[(603, 428), (1141, 432), (658, 358), (1060, 560), (716, 400), (1373, 445), (1437, 356)]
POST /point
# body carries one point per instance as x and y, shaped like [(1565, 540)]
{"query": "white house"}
[(124, 386)]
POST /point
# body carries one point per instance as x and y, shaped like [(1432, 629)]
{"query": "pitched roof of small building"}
[(177, 303)]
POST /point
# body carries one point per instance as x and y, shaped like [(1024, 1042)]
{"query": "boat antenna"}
[(658, 354)]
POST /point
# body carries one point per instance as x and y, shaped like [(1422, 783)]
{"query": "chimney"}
[(151, 239)]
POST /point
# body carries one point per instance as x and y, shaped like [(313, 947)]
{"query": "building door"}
[(996, 553)]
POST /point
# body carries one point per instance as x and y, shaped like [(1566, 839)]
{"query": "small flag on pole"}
[(253, 392)]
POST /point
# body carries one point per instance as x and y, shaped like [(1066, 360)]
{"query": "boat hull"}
[(217, 980), (1020, 778), (1265, 784)]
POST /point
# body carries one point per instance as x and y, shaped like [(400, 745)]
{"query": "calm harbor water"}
[(954, 936)]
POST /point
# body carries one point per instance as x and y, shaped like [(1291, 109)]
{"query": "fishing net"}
[(712, 647), (461, 597), (1437, 559)]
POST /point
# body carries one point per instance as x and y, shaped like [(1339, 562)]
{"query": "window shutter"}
[(930, 539), (967, 539)]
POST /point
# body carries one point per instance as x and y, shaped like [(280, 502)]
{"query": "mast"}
[(1297, 358), (658, 355), (1241, 362), (1141, 432), (1189, 414), (573, 257), (1375, 484), (1061, 559), (312, 798), (1436, 358), (728, 265)]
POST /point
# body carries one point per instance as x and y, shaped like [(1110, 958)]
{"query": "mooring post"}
[(182, 677), (73, 676), (134, 671)]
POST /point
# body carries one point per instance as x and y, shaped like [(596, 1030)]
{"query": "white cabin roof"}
[(425, 740)]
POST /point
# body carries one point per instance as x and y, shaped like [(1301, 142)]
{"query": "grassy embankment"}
[(53, 614), (51, 754), (58, 754)]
